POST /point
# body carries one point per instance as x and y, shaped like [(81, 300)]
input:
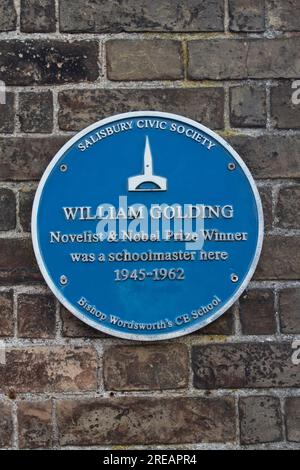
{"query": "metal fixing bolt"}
[(63, 280)]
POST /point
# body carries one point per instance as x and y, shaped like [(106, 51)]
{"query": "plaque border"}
[(99, 326)]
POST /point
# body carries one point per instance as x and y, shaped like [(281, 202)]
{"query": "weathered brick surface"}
[(48, 62), (257, 312), (289, 310), (269, 156), (38, 16), (129, 15), (280, 258), (49, 369), (154, 59), (260, 420), (7, 209), (223, 326), (8, 15), (248, 106), (36, 112), (146, 367), (72, 327), (79, 108), (292, 413), (26, 197), (288, 208), (7, 113), (244, 365), (17, 261), (6, 314), (283, 15), (36, 316), (247, 16), (6, 425), (285, 114), (35, 424), (243, 58), (146, 420), (267, 204), (25, 159)]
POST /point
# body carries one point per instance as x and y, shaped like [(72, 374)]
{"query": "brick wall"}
[(229, 65)]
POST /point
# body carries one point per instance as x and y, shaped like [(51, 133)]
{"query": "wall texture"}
[(229, 65)]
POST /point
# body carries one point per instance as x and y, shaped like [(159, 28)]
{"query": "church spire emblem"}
[(135, 183)]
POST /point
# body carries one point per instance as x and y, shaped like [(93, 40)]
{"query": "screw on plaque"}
[(63, 280), (63, 167), (234, 277), (231, 166)]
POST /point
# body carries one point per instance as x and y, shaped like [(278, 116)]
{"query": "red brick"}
[(287, 213), (141, 420), (243, 58), (7, 112), (154, 59), (72, 327), (247, 16), (36, 316), (79, 108), (6, 314), (248, 106), (265, 193), (283, 15), (6, 425), (38, 16), (146, 367), (7, 209), (35, 424), (17, 261), (48, 62), (244, 365), (101, 16), (269, 155), (224, 325), (280, 258), (292, 414), (8, 15), (260, 420), (285, 114), (49, 369), (26, 197), (289, 310), (26, 158), (257, 312), (36, 112)]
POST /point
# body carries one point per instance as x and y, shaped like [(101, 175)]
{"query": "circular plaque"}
[(147, 225)]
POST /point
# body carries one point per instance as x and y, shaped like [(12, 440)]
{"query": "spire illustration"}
[(159, 182)]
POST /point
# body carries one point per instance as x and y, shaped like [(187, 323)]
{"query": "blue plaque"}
[(147, 225)]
